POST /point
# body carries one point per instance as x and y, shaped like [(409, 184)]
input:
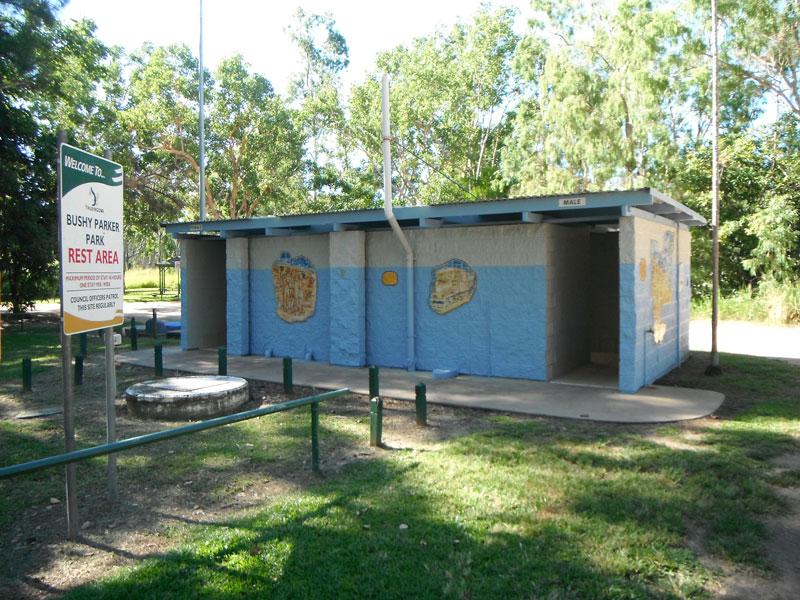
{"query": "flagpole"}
[(714, 367), (202, 126)]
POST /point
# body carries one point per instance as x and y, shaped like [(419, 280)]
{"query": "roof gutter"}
[(389, 212)]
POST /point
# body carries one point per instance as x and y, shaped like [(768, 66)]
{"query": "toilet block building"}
[(534, 288)]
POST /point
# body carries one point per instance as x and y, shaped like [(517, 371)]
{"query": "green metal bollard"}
[(27, 375), (374, 382), (158, 349), (134, 335), (315, 437), (78, 379), (84, 337), (421, 404), (222, 360), (376, 422), (288, 384)]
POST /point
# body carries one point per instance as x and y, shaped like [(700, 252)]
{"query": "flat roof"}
[(592, 208)]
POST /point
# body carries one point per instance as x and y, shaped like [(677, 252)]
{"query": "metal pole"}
[(202, 125), (376, 422), (158, 359), (374, 382), (27, 374), (222, 360), (714, 367), (66, 380), (315, 437), (111, 413), (288, 383), (421, 404), (111, 410)]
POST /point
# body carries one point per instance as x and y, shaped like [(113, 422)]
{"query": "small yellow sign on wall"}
[(389, 278)]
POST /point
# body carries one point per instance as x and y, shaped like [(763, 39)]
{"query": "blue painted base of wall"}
[(641, 359), (348, 317), (238, 313), (268, 332), (500, 332)]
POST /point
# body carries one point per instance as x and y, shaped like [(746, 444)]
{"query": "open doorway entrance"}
[(203, 294), (601, 368)]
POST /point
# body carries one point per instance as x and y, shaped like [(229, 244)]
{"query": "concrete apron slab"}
[(653, 404)]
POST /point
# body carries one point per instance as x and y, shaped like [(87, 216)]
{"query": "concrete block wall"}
[(348, 297), (567, 299), (237, 267), (685, 289), (648, 245), (501, 331), (203, 294), (269, 334)]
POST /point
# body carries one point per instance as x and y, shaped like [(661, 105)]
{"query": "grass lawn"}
[(480, 505)]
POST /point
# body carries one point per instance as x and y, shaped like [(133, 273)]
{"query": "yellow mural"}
[(295, 283), (661, 289), (452, 285)]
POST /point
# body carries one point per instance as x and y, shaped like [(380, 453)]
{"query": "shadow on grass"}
[(345, 540), (651, 490)]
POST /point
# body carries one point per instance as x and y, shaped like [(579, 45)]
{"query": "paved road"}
[(741, 337)]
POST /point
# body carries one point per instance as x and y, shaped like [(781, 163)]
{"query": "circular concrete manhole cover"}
[(183, 398)]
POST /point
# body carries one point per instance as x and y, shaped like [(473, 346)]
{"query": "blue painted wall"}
[(501, 331), (632, 314), (386, 318), (347, 316), (641, 359), (238, 312), (269, 332)]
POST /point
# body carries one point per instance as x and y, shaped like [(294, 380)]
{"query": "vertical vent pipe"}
[(387, 209)]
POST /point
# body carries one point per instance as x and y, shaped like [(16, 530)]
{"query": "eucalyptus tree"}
[(610, 93), (253, 146), (315, 90), (450, 98)]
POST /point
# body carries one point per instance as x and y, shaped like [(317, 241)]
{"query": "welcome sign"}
[(91, 241)]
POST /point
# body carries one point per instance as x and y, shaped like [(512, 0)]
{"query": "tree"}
[(254, 149), (764, 47), (315, 90), (451, 94), (48, 75), (607, 99)]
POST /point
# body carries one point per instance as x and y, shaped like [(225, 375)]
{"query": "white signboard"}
[(569, 202), (91, 241)]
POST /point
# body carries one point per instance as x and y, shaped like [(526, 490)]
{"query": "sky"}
[(257, 29)]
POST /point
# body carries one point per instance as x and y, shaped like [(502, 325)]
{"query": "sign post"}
[(90, 233)]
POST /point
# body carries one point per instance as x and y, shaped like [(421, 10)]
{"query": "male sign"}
[(91, 241)]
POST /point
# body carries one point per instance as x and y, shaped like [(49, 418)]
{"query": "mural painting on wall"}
[(452, 285), (295, 283), (660, 284)]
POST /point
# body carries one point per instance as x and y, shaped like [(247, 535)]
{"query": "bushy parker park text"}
[(94, 238)]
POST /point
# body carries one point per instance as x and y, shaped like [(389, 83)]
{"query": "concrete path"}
[(654, 404), (742, 337), (167, 311)]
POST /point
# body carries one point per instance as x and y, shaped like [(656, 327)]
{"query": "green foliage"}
[(450, 96), (603, 111), (48, 75)]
